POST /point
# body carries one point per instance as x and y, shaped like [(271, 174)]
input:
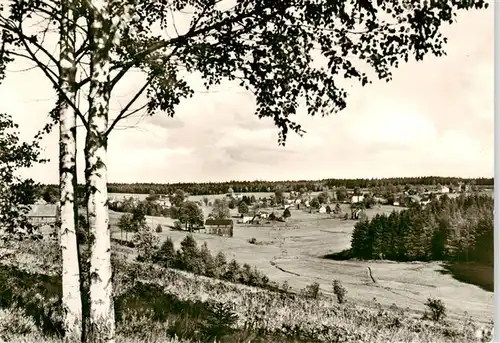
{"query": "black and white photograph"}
[(247, 171)]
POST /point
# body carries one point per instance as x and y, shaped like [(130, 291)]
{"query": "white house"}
[(322, 209), (396, 203), (164, 202), (355, 199), (245, 219), (444, 190)]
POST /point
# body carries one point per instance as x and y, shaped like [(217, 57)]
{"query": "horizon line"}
[(294, 180)]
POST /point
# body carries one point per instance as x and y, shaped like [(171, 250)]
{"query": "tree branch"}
[(54, 82), (125, 109), (192, 32)]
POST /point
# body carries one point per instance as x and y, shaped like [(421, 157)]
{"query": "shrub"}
[(190, 257), (243, 208), (252, 240), (146, 242), (246, 276), (437, 309), (286, 213), (166, 254), (339, 290), (312, 291), (220, 264), (232, 272), (159, 229), (210, 268), (15, 322), (178, 225), (219, 320), (123, 242)]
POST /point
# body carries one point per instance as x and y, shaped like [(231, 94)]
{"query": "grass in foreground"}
[(155, 304)]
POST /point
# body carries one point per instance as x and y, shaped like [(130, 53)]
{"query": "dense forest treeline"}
[(271, 186), (458, 229)]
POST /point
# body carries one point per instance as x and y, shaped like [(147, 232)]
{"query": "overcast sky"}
[(434, 118)]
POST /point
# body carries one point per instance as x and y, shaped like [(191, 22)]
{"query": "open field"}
[(294, 252)]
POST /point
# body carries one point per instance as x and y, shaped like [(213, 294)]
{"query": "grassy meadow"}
[(295, 252), (157, 304), (154, 304)]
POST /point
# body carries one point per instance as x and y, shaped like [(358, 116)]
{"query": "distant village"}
[(44, 216)]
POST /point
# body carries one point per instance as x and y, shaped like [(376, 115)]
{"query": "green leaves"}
[(274, 49), (15, 193), (286, 53)]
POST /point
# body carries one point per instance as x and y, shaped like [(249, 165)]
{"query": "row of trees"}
[(458, 229), (212, 188), (199, 260), (265, 46), (149, 208)]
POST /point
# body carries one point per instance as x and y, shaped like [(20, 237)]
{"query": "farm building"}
[(44, 217), (42, 214), (221, 227), (163, 201)]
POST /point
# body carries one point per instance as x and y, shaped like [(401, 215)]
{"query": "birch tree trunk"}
[(71, 298), (102, 319)]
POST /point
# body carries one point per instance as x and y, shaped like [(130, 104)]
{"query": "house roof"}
[(43, 210), (218, 222)]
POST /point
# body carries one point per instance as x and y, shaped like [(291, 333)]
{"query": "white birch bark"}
[(71, 297), (105, 32), (102, 319)]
